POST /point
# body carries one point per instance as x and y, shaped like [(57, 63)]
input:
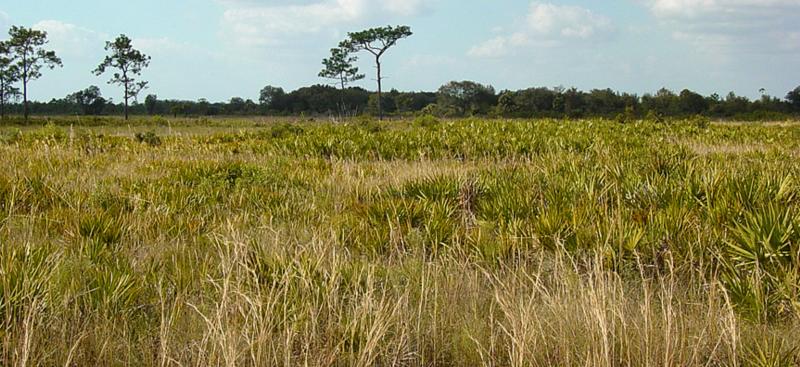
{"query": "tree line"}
[(454, 99), (24, 56)]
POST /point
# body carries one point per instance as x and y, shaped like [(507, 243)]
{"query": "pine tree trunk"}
[(25, 99), (126, 102), (380, 101), (2, 99)]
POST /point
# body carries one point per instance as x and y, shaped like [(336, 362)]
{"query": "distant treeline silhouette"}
[(455, 99)]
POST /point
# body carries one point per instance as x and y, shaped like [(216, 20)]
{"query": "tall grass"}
[(472, 242)]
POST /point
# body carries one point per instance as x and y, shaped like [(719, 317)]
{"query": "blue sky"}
[(218, 49)]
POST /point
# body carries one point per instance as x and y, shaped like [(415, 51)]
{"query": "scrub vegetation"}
[(419, 242)]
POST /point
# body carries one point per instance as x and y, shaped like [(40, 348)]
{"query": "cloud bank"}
[(548, 25), (274, 22), (756, 26)]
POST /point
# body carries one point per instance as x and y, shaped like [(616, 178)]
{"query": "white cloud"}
[(566, 21), (72, 40), (547, 25), (499, 46), (495, 47), (75, 41), (69, 39), (272, 22), (693, 8), (728, 25)]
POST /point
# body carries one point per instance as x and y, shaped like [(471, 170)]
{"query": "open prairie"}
[(419, 242)]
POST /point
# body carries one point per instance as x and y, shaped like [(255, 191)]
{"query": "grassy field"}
[(415, 243)]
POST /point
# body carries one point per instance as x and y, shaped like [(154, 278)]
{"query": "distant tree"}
[(388, 104), (250, 107), (573, 102), (180, 108), (356, 99), (506, 104), (322, 99), (691, 103), (734, 105), (130, 63), (89, 100), (665, 102), (9, 74), (27, 47), (603, 102), (376, 41), (631, 103), (414, 101), (203, 106), (793, 98), (236, 106), (339, 67), (559, 102), (150, 103), (271, 98), (466, 97), (536, 101), (531, 102)]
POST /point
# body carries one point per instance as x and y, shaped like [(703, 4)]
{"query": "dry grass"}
[(604, 246), (733, 149)]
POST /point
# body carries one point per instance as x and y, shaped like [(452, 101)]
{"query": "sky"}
[(218, 49)]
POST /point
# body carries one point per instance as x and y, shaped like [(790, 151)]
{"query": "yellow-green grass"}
[(451, 243)]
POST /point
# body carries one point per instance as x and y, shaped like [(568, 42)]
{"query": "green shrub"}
[(368, 123), (653, 116), (150, 138), (159, 120), (426, 121), (285, 130), (701, 122)]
